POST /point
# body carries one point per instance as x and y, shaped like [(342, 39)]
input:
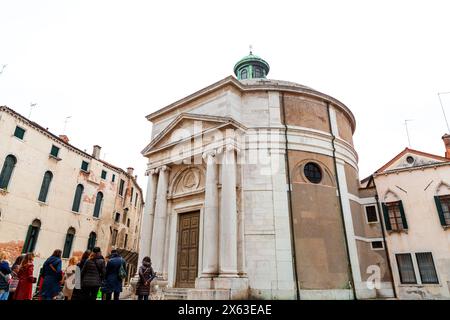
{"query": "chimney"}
[(96, 152), (446, 138), (64, 138), (130, 171)]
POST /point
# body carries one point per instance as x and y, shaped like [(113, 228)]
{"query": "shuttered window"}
[(77, 198), (19, 133), (68, 243), (54, 151), (394, 216), (32, 237), (104, 174), (84, 166), (45, 186), (98, 204), (92, 241), (443, 209), (7, 170), (406, 268), (427, 269)]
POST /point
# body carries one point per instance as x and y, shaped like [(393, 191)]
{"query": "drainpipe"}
[(384, 238), (289, 194), (352, 281)]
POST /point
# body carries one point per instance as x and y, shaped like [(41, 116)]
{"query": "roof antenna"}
[(3, 68), (32, 105), (250, 47), (443, 111), (407, 131), (65, 123)]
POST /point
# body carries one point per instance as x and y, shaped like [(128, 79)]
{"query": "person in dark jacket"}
[(5, 272), (77, 292), (146, 275), (52, 273), (92, 274), (113, 281)]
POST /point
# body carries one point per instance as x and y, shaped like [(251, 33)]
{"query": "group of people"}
[(90, 277)]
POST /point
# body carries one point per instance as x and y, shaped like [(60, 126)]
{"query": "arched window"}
[(68, 243), (48, 176), (244, 74), (8, 167), (32, 236), (257, 72), (77, 198), (92, 240), (98, 204)]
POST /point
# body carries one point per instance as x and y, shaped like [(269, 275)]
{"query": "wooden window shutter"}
[(402, 213), (440, 211), (387, 221), (27, 239)]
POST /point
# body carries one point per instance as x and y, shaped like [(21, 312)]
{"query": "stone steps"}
[(175, 294)]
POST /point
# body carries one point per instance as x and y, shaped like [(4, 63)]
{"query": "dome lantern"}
[(251, 67)]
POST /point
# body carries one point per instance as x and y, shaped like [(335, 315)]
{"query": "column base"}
[(238, 286), (204, 282)]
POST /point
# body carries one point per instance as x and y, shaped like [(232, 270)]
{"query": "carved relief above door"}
[(187, 181)]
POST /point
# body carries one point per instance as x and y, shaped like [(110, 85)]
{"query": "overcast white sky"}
[(107, 64)]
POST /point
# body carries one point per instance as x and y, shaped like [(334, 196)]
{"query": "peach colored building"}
[(55, 196), (414, 192)]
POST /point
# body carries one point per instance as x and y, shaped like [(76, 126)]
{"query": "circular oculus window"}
[(312, 172)]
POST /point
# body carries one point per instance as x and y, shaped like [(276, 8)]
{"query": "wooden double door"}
[(187, 253)]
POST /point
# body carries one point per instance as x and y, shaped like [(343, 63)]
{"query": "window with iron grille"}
[(371, 214), (406, 268), (84, 166), (443, 207), (427, 269)]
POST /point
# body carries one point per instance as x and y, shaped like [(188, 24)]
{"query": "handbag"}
[(13, 284), (122, 271)]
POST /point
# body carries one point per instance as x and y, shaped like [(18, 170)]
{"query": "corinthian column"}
[(228, 216), (211, 219), (159, 223), (147, 217)]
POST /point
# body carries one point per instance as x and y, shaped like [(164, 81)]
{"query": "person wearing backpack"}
[(92, 274), (52, 274), (5, 276), (115, 273)]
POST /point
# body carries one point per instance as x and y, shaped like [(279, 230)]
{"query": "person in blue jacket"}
[(5, 272), (52, 274), (114, 276)]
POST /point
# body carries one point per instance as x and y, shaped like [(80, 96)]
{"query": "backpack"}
[(122, 271)]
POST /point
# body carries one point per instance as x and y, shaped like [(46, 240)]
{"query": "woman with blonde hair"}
[(26, 279), (69, 278)]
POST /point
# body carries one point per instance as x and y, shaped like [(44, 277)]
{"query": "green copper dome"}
[(251, 67)]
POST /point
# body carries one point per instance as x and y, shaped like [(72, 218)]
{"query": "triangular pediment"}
[(188, 125), (410, 158)]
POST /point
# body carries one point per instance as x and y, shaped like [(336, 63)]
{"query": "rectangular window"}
[(126, 241), (371, 214), (54, 151), (136, 199), (128, 223), (443, 203), (121, 187), (104, 173), (132, 193), (395, 216), (406, 268), (113, 178), (114, 237), (117, 217), (377, 245), (427, 269), (85, 166), (19, 133)]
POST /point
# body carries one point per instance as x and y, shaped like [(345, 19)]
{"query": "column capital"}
[(209, 153), (150, 172), (162, 169)]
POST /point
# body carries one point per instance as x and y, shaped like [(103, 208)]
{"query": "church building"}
[(253, 193)]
